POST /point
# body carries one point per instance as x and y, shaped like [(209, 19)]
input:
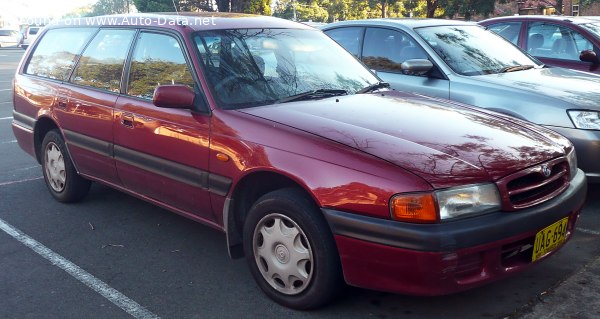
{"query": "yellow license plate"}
[(547, 239)]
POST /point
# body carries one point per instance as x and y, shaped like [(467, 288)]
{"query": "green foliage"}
[(154, 5), (467, 8), (104, 7)]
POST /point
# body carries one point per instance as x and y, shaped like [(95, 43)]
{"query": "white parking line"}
[(20, 181), (114, 296), (8, 142), (5, 90), (6, 118), (5, 102), (588, 231)]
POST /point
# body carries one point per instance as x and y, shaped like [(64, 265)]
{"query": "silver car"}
[(463, 62)]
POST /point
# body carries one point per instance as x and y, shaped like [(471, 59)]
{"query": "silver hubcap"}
[(283, 254), (55, 167)]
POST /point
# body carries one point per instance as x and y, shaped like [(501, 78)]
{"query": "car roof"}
[(193, 20), (403, 23), (566, 19)]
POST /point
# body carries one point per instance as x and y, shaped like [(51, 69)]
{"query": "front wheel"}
[(60, 175), (290, 250)]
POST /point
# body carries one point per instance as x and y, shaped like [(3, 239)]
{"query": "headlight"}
[(589, 120), (445, 204), (572, 159)]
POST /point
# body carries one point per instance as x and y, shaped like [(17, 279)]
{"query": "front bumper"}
[(587, 146), (438, 259)]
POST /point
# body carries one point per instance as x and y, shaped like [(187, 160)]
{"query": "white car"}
[(30, 36), (9, 37)]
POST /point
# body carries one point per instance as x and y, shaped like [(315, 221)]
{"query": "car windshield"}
[(593, 28), (252, 67), (471, 50)]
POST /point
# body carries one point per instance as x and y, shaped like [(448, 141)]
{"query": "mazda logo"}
[(546, 170)]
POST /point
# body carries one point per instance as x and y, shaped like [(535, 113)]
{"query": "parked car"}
[(463, 62), (10, 37), (269, 131), (569, 42), (30, 35)]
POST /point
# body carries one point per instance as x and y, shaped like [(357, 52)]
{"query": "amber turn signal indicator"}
[(222, 157), (416, 208)]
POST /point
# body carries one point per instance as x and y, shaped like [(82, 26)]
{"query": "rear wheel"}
[(60, 175), (290, 250)]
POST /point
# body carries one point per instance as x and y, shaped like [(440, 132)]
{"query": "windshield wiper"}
[(313, 95), (514, 68), (373, 87)]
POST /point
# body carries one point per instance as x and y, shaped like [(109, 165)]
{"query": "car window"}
[(385, 49), (252, 67), (157, 60), (54, 57), (349, 38), (594, 28), (508, 30), (5, 33), (33, 30), (101, 64), (555, 41)]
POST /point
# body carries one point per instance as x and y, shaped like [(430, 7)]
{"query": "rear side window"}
[(157, 60), (101, 64), (349, 38), (55, 54)]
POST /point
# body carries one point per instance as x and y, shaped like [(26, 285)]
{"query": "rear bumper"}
[(447, 257)]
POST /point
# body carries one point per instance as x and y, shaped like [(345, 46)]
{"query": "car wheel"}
[(290, 250), (60, 175)]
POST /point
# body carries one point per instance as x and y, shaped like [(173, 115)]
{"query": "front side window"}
[(157, 60), (508, 30), (471, 50), (54, 56), (101, 64), (251, 67), (385, 49), (555, 41), (349, 38)]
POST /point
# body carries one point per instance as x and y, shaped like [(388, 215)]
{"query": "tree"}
[(466, 8), (170, 5), (104, 7)]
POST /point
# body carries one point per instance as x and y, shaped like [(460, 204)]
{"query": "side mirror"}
[(173, 96), (589, 56), (416, 66)]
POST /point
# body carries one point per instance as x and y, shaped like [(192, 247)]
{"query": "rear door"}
[(162, 153), (86, 105)]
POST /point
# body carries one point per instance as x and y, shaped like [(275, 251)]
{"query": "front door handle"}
[(127, 120)]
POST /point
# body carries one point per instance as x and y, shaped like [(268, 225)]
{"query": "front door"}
[(162, 153)]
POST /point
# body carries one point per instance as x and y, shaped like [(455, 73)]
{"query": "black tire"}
[(313, 245), (62, 180)]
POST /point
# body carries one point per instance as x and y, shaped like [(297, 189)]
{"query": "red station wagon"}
[(318, 173)]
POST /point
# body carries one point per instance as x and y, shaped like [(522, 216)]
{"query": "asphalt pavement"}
[(112, 255)]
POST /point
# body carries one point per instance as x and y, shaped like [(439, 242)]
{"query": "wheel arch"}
[(244, 194), (42, 126)]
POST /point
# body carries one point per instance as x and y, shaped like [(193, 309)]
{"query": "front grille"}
[(534, 185)]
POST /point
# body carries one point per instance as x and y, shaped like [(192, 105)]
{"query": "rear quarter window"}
[(55, 54)]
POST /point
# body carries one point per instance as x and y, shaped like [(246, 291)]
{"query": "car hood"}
[(442, 142), (577, 88)]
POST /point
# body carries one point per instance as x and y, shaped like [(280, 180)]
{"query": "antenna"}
[(174, 6)]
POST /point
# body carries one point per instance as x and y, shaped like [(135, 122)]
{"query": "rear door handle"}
[(127, 120), (62, 102)]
